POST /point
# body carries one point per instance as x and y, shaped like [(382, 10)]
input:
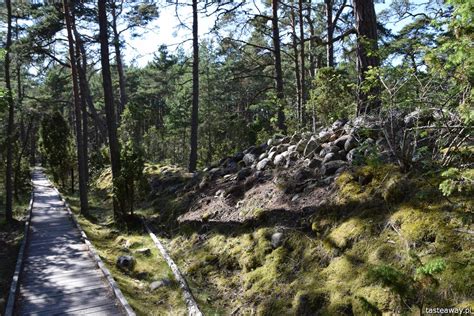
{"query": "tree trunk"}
[(118, 60), (87, 93), (11, 113), (77, 112), (330, 34), (297, 65), (302, 63), (85, 125), (368, 102), (312, 45), (119, 210), (195, 106), (278, 70)]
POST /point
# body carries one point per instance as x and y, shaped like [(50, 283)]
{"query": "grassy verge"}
[(11, 236), (112, 243)]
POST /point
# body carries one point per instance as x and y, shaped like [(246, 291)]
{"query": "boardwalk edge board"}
[(19, 261), (193, 308), (118, 294)]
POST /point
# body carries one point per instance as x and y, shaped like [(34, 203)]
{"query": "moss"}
[(306, 303), (396, 189), (374, 299), (343, 235)]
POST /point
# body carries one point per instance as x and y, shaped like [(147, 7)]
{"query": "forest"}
[(294, 157)]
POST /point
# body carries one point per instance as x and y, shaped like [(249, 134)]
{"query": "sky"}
[(164, 30)]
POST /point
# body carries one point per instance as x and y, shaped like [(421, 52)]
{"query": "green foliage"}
[(457, 180), (332, 95), (430, 268), (131, 181), (57, 146)]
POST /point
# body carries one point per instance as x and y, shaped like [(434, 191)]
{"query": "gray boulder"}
[(331, 157), (160, 283), (263, 164), (310, 147), (341, 141), (244, 173), (314, 163), (280, 159), (277, 240), (249, 159), (331, 167), (350, 143), (126, 263)]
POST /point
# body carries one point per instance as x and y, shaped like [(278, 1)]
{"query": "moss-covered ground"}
[(111, 243), (11, 236), (388, 244)]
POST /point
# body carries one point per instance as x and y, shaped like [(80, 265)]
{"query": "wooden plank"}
[(59, 275)]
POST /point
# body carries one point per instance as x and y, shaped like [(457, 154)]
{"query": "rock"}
[(295, 197), (249, 150), (215, 172), (280, 159), (263, 164), (295, 138), (314, 163), (238, 156), (244, 173), (331, 167), (144, 251), (262, 156), (292, 148), (249, 159), (126, 263), (341, 141), (230, 167), (204, 182), (160, 283), (277, 240), (331, 157), (301, 146), (272, 155), (338, 124), (310, 147), (328, 149), (324, 136), (350, 143)]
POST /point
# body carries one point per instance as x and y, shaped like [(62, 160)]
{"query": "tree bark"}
[(297, 65), (312, 44), (278, 70), (119, 211), (11, 113), (195, 105), (302, 65), (368, 102), (118, 60), (82, 71), (85, 126), (77, 112), (330, 34)]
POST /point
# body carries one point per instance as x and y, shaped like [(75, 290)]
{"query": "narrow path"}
[(59, 277)]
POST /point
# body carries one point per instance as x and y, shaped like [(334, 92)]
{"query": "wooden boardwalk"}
[(59, 276)]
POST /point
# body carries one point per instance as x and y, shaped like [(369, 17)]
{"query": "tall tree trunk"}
[(82, 71), (330, 34), (312, 44), (278, 70), (297, 65), (368, 102), (294, 41), (119, 210), (118, 60), (77, 113), (82, 89), (302, 65), (11, 113), (195, 106)]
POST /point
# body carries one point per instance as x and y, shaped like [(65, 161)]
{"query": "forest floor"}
[(372, 241), (11, 236), (150, 267)]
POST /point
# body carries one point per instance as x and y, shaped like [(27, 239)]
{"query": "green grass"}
[(110, 244)]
